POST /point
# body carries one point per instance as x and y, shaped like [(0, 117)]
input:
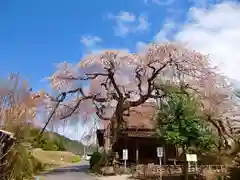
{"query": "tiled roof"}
[(140, 117)]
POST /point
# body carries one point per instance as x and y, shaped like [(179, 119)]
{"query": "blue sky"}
[(35, 35)]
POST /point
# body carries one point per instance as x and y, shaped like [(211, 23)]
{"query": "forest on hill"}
[(51, 141)]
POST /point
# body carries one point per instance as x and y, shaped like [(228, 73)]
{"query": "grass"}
[(76, 159), (54, 159)]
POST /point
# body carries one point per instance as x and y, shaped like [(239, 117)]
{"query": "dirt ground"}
[(118, 177), (55, 158)]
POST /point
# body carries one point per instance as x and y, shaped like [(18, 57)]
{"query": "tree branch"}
[(150, 80), (91, 76), (138, 76), (61, 97), (75, 107), (111, 77), (98, 113)]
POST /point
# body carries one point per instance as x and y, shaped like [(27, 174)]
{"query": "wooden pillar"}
[(137, 152), (125, 142), (165, 154), (176, 155)]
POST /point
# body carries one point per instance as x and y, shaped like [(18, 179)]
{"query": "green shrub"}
[(49, 144), (76, 159), (95, 158)]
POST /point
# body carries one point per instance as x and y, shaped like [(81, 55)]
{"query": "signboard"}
[(125, 154), (191, 157), (160, 151)]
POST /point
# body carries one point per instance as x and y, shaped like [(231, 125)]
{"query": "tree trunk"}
[(185, 164), (111, 138), (113, 131)]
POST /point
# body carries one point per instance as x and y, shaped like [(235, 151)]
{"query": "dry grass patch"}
[(55, 158)]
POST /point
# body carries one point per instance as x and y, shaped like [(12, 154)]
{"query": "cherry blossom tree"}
[(110, 82), (218, 105)]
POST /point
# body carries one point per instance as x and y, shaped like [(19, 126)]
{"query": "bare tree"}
[(109, 83)]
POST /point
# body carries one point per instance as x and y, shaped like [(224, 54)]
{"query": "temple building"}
[(139, 137)]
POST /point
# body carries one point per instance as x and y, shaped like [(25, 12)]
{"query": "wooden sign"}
[(125, 154), (159, 151), (191, 157)]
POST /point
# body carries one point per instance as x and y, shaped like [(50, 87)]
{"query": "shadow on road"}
[(77, 168)]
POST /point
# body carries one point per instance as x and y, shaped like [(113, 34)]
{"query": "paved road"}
[(76, 172)]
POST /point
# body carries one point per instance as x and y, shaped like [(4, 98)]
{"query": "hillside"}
[(71, 145), (56, 142), (75, 146)]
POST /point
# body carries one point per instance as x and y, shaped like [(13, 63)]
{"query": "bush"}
[(49, 144), (76, 159), (95, 158)]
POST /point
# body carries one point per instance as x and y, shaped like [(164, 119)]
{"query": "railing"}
[(166, 170)]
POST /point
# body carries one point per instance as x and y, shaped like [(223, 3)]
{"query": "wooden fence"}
[(168, 170)]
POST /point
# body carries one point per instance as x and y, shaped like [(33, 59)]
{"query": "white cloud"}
[(167, 29), (205, 3), (215, 31), (90, 41), (141, 46), (143, 23), (123, 16), (127, 22)]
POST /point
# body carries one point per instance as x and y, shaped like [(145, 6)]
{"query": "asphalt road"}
[(76, 172)]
